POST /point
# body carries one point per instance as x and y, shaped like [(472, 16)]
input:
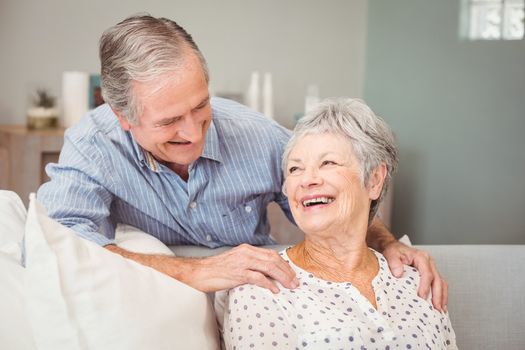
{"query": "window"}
[(495, 19)]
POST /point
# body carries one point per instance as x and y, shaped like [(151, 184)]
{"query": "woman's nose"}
[(311, 177)]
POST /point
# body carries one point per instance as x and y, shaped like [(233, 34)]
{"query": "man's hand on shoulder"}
[(244, 264), (398, 254), (240, 265)]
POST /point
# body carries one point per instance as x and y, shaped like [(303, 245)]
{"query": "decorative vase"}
[(42, 118)]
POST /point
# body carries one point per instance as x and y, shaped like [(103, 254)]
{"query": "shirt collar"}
[(211, 149), (143, 156)]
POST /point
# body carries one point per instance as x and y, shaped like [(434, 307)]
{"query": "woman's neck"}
[(335, 261)]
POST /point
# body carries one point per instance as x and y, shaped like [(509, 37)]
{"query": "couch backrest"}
[(486, 287)]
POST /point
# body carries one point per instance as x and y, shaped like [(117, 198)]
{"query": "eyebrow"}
[(204, 101), (297, 160), (166, 120)]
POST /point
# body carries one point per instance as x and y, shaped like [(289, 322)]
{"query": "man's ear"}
[(124, 124), (376, 181)]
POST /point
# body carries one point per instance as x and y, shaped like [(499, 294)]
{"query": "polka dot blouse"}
[(329, 315)]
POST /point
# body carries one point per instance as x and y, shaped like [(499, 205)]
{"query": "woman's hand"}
[(398, 254)]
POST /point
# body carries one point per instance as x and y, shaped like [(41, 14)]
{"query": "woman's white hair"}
[(371, 139), (141, 48)]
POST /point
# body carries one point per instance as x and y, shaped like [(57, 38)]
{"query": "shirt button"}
[(193, 205), (208, 238), (248, 209)]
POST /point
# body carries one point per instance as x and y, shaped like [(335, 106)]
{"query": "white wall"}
[(299, 41)]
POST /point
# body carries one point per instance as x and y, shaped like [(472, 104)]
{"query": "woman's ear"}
[(283, 189), (376, 181)]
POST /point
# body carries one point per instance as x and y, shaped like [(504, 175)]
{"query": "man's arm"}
[(378, 236), (398, 254), (78, 194), (75, 200), (239, 265)]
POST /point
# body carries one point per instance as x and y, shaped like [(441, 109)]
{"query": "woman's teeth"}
[(318, 200)]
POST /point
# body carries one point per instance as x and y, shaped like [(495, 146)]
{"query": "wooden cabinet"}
[(24, 154)]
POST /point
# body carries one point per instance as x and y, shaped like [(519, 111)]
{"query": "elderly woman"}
[(337, 166)]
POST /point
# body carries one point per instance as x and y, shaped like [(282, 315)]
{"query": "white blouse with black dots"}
[(328, 315)]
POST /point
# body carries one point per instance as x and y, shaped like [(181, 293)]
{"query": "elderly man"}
[(164, 157)]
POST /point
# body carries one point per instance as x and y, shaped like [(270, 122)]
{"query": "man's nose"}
[(191, 130)]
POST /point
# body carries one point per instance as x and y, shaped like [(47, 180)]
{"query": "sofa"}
[(486, 282)]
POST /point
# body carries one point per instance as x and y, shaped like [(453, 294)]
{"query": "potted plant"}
[(44, 113)]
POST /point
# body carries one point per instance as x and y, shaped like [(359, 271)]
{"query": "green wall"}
[(457, 108)]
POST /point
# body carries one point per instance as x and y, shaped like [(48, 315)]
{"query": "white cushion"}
[(82, 296), (12, 223), (406, 240), (137, 241), (15, 332)]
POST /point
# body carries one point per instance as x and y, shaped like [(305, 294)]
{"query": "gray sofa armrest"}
[(486, 286)]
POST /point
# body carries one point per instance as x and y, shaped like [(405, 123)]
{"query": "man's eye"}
[(168, 122)]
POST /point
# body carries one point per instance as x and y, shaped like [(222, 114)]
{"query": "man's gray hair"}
[(371, 139), (141, 48)]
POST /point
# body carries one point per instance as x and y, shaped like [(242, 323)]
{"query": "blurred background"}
[(456, 105)]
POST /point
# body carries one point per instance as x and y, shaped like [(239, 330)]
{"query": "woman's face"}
[(324, 186)]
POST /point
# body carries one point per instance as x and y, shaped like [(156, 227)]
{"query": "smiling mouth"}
[(317, 201)]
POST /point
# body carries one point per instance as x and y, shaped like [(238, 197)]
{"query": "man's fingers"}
[(405, 259), (396, 259), (241, 265), (439, 290), (444, 298), (424, 285), (257, 278), (423, 264), (437, 293), (270, 263), (246, 258), (395, 262)]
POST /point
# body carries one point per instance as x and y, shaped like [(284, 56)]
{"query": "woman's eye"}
[(292, 169), (328, 162)]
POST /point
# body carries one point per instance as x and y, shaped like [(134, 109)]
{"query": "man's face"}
[(176, 115)]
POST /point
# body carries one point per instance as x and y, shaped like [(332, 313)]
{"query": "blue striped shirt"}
[(104, 177)]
